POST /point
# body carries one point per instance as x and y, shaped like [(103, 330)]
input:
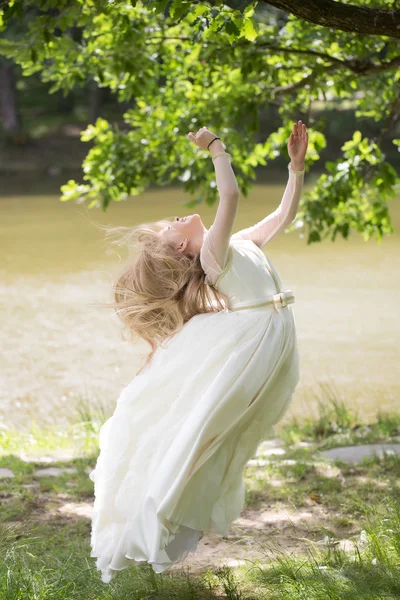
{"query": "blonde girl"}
[(221, 372)]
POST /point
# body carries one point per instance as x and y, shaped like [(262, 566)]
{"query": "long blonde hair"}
[(161, 289)]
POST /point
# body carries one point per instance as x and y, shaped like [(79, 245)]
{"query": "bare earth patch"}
[(258, 534)]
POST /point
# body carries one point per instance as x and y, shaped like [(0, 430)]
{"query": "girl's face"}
[(185, 232)]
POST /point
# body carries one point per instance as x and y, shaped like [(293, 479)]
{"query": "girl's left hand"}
[(297, 145)]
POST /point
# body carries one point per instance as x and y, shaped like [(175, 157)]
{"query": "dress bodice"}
[(248, 278)]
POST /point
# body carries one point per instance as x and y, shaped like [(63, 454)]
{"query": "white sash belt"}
[(279, 300)]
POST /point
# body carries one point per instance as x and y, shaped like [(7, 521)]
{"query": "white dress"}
[(172, 455)]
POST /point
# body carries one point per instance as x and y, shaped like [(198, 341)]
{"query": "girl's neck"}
[(197, 242)]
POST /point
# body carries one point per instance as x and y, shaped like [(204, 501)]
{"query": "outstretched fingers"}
[(303, 130), (299, 129)]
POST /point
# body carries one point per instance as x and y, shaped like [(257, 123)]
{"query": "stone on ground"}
[(355, 454), (54, 471), (6, 473)]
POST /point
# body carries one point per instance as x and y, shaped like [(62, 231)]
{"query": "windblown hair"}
[(161, 289)]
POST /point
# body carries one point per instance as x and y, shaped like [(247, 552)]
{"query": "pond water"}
[(57, 350)]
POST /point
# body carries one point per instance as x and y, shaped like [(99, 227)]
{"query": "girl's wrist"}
[(215, 147), (299, 166)]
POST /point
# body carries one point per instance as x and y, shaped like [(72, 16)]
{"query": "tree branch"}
[(363, 67), (291, 50), (357, 65), (345, 17), (292, 87)]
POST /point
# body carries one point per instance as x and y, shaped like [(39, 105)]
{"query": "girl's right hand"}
[(202, 138), (297, 145)]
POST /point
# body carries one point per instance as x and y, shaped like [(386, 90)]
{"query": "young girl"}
[(221, 373)]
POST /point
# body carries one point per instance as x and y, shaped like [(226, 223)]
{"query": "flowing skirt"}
[(172, 455)]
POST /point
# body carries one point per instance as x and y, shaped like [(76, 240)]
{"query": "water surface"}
[(56, 348)]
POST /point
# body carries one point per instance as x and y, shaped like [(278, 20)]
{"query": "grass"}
[(370, 570), (337, 424), (349, 549)]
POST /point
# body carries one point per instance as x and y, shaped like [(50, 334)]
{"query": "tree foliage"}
[(184, 64)]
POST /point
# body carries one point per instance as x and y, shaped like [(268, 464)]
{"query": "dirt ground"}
[(258, 534)]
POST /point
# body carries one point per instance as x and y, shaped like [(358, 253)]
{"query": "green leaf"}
[(248, 30), (157, 6), (179, 8), (249, 10), (314, 237), (232, 28)]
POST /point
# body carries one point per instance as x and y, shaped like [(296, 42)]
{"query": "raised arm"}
[(263, 231), (214, 252), (219, 234)]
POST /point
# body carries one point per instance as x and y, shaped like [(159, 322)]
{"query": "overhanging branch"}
[(360, 66), (292, 87), (357, 65), (360, 69), (345, 17)]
